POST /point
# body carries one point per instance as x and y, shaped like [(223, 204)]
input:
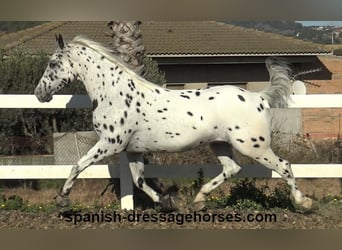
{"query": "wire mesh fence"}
[(70, 147), (59, 149)]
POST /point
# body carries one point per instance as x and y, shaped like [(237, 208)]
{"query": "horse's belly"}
[(167, 143)]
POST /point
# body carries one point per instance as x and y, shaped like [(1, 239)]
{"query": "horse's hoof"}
[(307, 203), (64, 212), (199, 206), (62, 201), (168, 203)]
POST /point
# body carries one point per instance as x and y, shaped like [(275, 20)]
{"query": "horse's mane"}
[(108, 54)]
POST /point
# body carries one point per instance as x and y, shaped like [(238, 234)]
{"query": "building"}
[(199, 54)]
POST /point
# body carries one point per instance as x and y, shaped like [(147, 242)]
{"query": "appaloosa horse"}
[(134, 115)]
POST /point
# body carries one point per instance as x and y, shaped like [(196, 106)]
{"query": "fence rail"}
[(83, 101), (169, 171)]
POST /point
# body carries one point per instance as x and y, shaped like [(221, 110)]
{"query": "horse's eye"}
[(52, 64)]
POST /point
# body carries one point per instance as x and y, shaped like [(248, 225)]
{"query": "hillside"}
[(293, 29), (13, 26)]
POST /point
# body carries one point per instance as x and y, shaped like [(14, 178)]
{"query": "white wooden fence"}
[(167, 171)]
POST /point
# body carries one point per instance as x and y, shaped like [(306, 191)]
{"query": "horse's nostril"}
[(37, 92)]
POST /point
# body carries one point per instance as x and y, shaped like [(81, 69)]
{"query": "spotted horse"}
[(134, 115)]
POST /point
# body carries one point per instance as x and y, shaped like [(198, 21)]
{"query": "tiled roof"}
[(169, 38)]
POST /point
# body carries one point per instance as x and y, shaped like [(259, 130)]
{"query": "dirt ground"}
[(324, 215)]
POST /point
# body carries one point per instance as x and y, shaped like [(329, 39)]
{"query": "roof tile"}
[(167, 38)]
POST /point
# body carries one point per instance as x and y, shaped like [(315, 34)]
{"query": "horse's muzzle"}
[(42, 97)]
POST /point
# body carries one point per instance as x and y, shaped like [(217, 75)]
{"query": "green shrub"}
[(153, 73), (245, 195), (13, 202)]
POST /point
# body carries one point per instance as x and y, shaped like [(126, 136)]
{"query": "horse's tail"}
[(278, 93)]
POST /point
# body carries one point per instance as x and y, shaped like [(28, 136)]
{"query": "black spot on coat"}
[(95, 104), (185, 96), (241, 98), (111, 128)]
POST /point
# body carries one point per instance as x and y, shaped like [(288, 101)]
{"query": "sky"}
[(321, 23)]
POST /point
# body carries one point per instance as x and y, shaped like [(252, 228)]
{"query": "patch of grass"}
[(15, 202), (281, 198), (11, 203), (335, 199), (38, 208), (48, 184), (27, 160)]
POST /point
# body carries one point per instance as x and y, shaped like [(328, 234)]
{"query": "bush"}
[(19, 72), (245, 195), (153, 74), (11, 203)]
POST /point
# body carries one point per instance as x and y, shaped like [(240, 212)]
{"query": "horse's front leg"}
[(98, 152), (136, 165)]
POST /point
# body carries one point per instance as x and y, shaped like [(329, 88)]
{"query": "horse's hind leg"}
[(283, 168), (223, 152)]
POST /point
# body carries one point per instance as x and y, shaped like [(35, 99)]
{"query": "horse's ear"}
[(60, 41)]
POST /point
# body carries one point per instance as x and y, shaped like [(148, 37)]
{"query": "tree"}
[(128, 45)]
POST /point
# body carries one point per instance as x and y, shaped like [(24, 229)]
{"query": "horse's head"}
[(57, 74)]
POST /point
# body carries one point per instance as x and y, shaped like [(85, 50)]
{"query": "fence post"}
[(126, 183)]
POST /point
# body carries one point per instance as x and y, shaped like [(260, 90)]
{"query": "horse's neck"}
[(98, 77)]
